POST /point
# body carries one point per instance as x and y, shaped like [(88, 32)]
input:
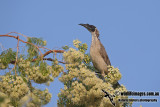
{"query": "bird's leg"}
[(103, 76)]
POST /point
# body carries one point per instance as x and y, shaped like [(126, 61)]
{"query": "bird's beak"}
[(86, 26)]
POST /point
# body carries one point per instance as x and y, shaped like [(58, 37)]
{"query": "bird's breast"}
[(97, 59)]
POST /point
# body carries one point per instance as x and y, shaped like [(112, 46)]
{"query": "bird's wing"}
[(104, 55)]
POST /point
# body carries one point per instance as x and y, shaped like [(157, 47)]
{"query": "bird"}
[(98, 54)]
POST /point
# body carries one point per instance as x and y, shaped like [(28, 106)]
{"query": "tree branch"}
[(22, 41), (33, 60), (42, 55), (18, 34)]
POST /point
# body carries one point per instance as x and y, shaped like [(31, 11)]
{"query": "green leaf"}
[(65, 47)]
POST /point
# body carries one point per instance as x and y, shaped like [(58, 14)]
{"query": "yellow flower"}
[(45, 43), (76, 43)]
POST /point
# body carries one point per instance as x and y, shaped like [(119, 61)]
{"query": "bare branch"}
[(2, 47), (50, 51), (18, 34)]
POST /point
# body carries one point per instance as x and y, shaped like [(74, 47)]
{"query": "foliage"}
[(114, 76), (33, 51), (39, 98), (13, 86), (6, 57), (82, 86), (17, 87), (65, 47)]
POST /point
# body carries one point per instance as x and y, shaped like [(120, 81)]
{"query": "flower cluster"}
[(114, 75), (82, 87), (87, 59), (76, 43), (40, 73), (56, 69), (81, 47), (73, 56), (13, 86), (4, 102), (86, 88), (2, 66), (39, 98), (45, 43)]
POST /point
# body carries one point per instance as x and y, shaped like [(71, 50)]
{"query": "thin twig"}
[(2, 47), (18, 34), (44, 47), (48, 52), (50, 59), (16, 55)]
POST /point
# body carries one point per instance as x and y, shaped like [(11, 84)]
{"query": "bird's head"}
[(90, 28)]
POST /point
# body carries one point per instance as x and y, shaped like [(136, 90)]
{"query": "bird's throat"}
[(94, 38)]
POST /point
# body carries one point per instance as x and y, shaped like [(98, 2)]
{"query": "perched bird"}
[(98, 53)]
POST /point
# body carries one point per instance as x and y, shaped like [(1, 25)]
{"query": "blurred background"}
[(129, 30)]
